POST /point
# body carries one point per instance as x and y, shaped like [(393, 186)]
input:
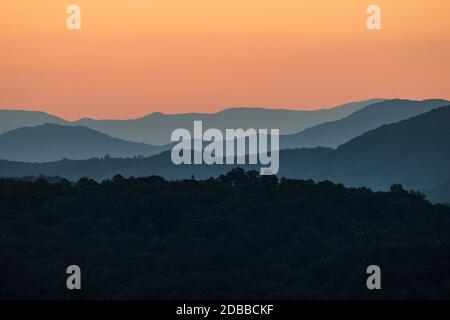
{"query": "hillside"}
[(335, 133), (51, 142), (156, 128), (412, 152), (14, 119), (236, 237)]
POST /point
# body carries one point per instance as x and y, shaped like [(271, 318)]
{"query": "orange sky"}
[(135, 57)]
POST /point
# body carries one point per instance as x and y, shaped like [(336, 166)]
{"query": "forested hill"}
[(414, 152), (238, 236), (52, 142)]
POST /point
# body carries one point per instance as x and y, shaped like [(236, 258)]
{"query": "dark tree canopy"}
[(237, 236)]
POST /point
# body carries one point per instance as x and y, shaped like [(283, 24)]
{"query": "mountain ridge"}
[(334, 133), (50, 142), (417, 158), (156, 128), (14, 119)]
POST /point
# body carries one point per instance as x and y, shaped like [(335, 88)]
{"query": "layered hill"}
[(156, 128), (333, 134), (52, 142), (14, 119), (414, 152)]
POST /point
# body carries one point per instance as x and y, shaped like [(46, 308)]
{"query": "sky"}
[(135, 57)]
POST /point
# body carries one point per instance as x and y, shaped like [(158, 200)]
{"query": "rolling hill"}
[(235, 237), (414, 152), (14, 119), (333, 134), (52, 142), (156, 128)]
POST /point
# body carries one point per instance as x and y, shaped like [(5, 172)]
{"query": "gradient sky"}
[(135, 57)]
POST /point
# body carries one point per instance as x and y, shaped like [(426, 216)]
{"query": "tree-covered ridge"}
[(237, 236), (413, 152)]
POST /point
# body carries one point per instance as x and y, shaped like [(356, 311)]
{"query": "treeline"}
[(237, 236)]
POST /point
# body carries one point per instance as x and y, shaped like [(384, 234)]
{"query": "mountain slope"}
[(414, 152), (235, 237), (51, 142), (14, 119), (156, 128), (334, 133)]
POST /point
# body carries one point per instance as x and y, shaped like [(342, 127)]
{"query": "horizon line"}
[(304, 109), (300, 109)]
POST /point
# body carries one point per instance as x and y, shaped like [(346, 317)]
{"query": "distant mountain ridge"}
[(52, 142), (414, 152), (15, 119), (353, 119), (335, 133), (156, 128)]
